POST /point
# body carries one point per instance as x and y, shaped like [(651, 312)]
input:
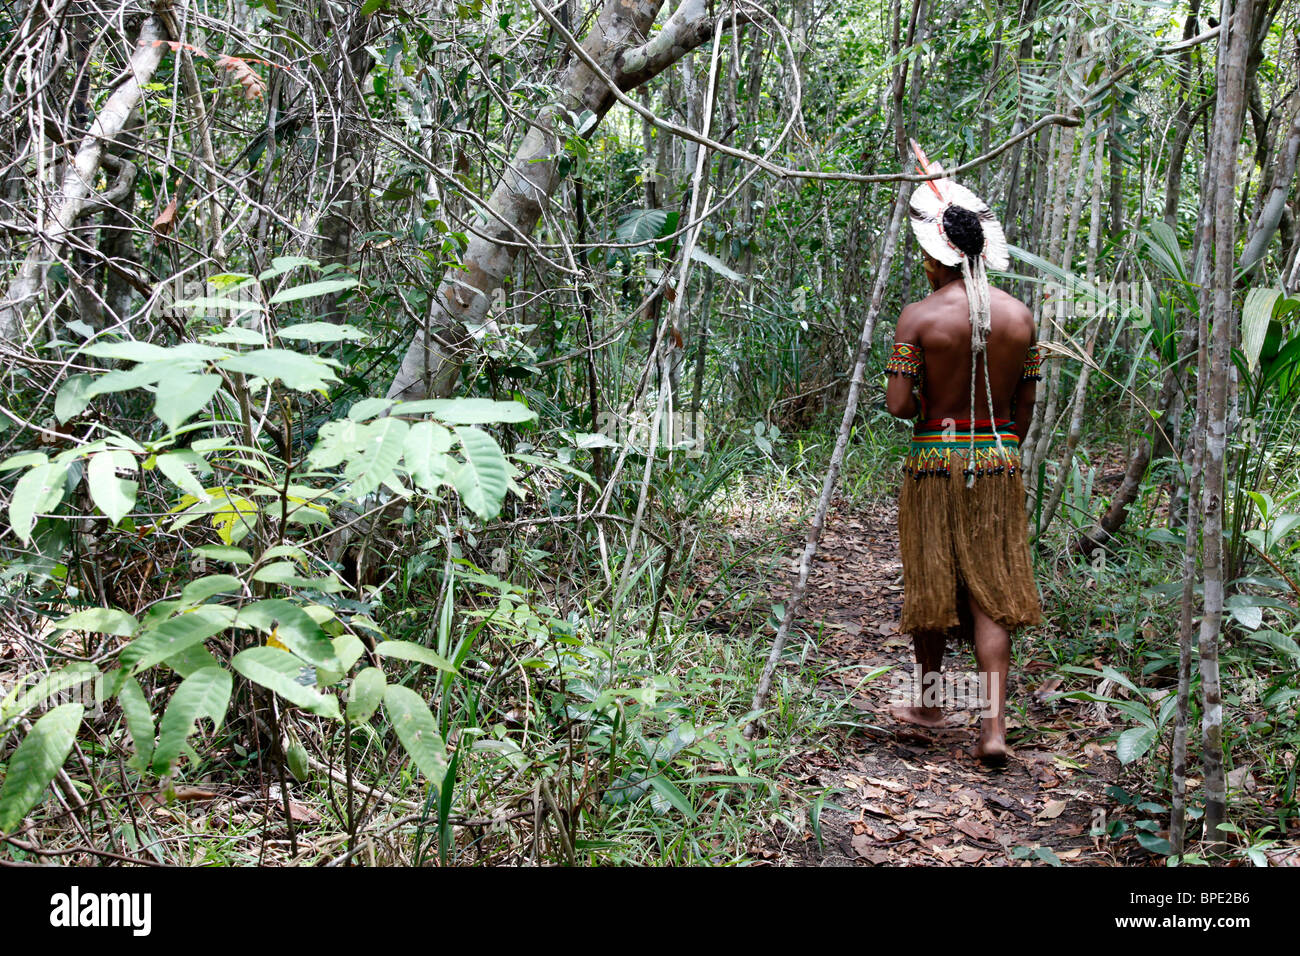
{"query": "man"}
[(961, 513)]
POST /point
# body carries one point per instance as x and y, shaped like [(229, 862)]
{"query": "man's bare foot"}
[(931, 717), (991, 753)]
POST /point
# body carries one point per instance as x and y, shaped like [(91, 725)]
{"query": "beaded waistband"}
[(936, 442)]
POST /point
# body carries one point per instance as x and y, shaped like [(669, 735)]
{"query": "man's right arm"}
[(906, 372)]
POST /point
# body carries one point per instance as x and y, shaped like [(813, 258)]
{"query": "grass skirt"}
[(957, 541)]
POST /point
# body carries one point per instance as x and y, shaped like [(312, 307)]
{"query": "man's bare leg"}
[(993, 657), (929, 662)]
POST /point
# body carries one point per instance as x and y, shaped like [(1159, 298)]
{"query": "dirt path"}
[(907, 796)]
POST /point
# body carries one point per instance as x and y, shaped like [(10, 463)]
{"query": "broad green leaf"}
[(323, 332), (425, 454), (23, 697), (413, 723), (368, 408), (282, 673), (113, 495), (236, 335), (669, 791), (139, 720), (200, 589), (24, 459), (73, 397), (209, 304), (179, 467), (36, 761), (205, 693), (38, 491), (1133, 743), (173, 636), (322, 287), (1255, 316), (303, 373), (282, 264), (364, 695), (128, 351), (481, 480), (181, 394), (294, 628), (716, 264), (285, 573), (467, 411), (410, 651), (101, 620), (379, 452), (223, 552)]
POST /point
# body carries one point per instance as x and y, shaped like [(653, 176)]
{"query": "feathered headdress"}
[(930, 201)]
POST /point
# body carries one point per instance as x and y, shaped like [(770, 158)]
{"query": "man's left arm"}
[(1022, 406)]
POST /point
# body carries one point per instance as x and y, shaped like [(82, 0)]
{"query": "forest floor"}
[(902, 795)]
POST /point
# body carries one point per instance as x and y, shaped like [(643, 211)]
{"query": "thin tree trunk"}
[(433, 360), (78, 180), (1234, 46)]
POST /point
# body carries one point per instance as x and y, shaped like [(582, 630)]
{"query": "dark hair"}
[(963, 229)]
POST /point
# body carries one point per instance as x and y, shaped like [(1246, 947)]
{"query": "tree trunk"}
[(1234, 44), (434, 358), (77, 187)]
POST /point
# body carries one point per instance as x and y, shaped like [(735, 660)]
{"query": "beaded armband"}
[(906, 359), (1033, 370)]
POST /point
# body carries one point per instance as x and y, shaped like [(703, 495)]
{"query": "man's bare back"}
[(940, 324)]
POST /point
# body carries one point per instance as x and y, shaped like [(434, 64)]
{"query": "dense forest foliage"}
[(413, 412)]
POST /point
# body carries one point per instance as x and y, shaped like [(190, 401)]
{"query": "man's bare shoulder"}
[(1011, 307)]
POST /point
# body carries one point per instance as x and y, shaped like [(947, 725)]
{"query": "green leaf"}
[(101, 620), (293, 628), (1255, 316), (368, 408), (177, 465), (113, 495), (128, 351), (413, 723), (173, 636), (366, 692), (282, 264), (323, 332), (716, 264), (39, 491), (481, 480), (236, 335), (467, 411), (668, 790), (73, 397), (205, 693), (36, 761), (287, 676), (181, 394), (323, 287), (24, 698), (303, 373), (425, 454), (24, 459), (410, 651), (139, 720), (200, 589), (1133, 743), (285, 573), (223, 552), (379, 450)]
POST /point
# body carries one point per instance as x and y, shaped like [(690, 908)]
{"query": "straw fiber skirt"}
[(958, 542)]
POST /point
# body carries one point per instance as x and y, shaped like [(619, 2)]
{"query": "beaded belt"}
[(937, 440)]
